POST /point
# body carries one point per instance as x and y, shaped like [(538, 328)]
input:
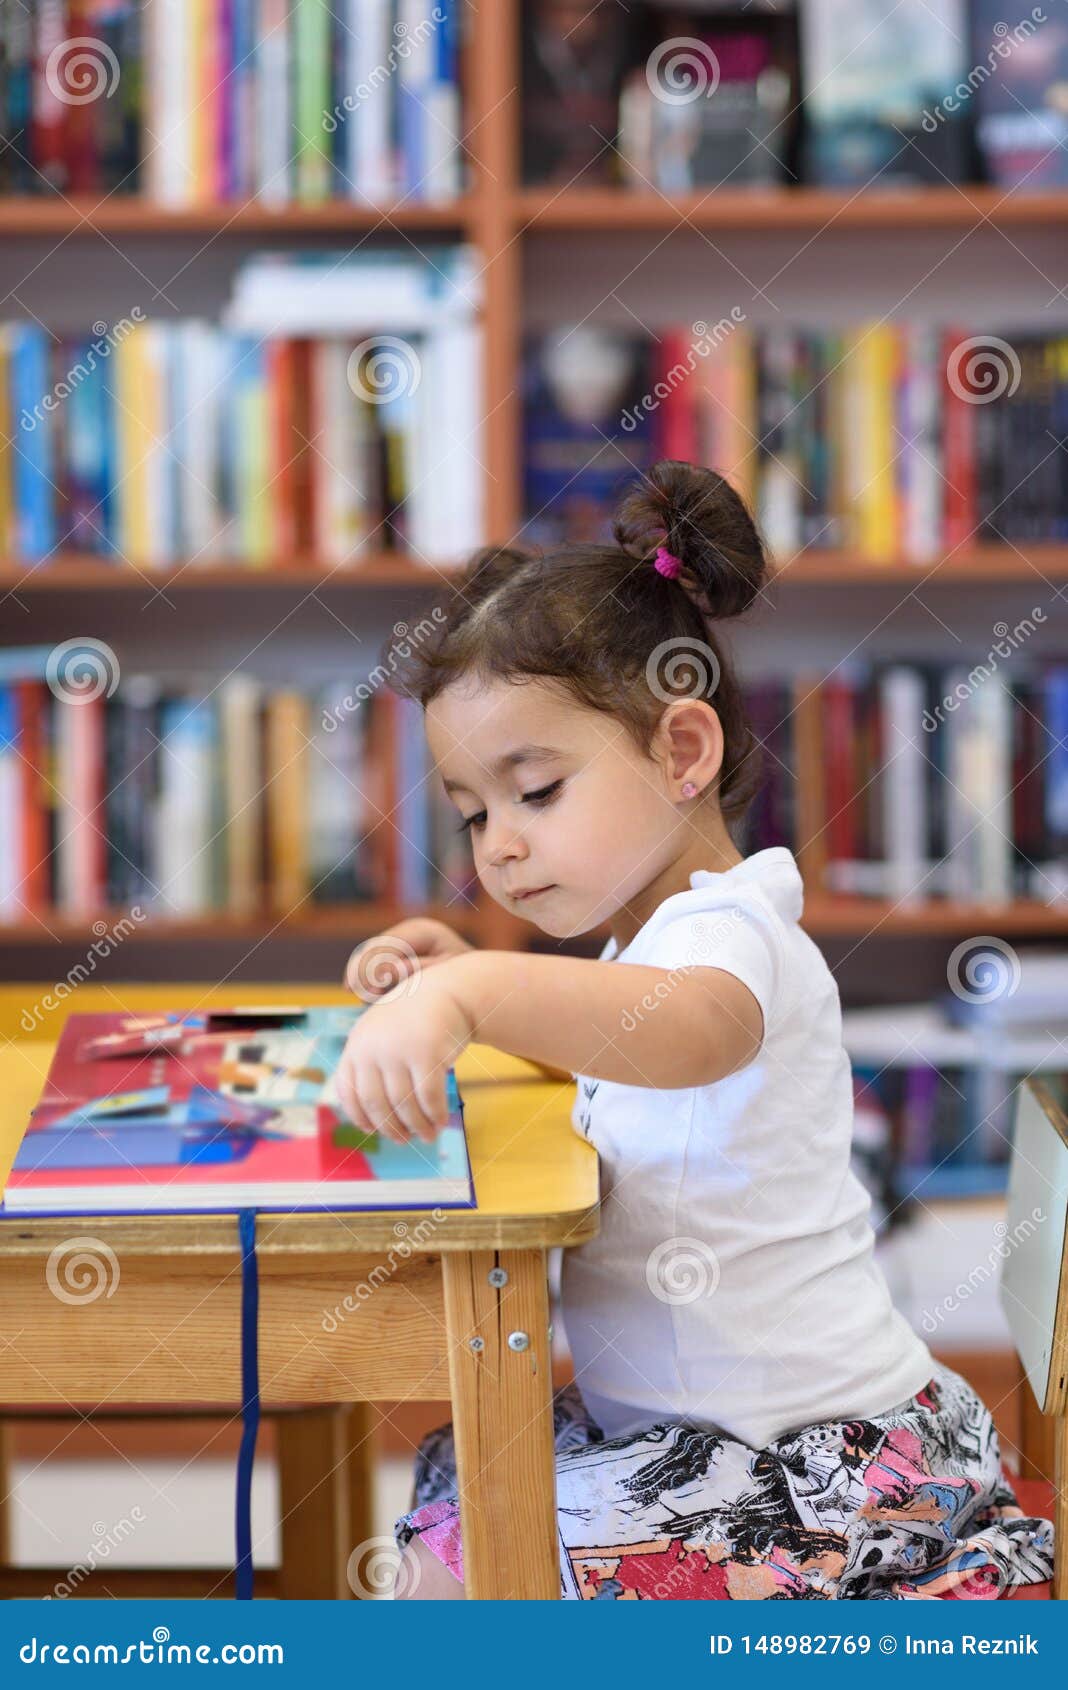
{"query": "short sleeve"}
[(740, 938)]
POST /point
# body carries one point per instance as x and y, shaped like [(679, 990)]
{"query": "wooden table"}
[(431, 1308)]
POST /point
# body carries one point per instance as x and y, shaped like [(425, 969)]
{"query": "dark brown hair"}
[(596, 618)]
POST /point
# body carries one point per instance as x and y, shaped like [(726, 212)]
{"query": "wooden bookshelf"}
[(498, 214)]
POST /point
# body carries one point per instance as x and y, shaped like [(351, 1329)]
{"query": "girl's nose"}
[(503, 843)]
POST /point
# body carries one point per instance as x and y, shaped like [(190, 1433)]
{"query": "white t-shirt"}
[(733, 1282)]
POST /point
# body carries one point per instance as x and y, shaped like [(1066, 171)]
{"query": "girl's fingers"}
[(433, 1097), (348, 1096), (375, 1101), (406, 1106)]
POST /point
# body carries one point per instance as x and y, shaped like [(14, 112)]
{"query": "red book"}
[(30, 698), (958, 462)]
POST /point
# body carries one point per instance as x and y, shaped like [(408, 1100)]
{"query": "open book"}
[(182, 1110)]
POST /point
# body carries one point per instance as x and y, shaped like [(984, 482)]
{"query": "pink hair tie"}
[(666, 563)]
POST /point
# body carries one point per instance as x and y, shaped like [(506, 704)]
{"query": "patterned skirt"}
[(908, 1504)]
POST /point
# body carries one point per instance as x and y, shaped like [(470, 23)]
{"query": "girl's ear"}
[(691, 744)]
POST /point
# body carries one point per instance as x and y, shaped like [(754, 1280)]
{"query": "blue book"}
[(33, 455)]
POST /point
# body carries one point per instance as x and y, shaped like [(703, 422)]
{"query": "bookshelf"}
[(506, 221)]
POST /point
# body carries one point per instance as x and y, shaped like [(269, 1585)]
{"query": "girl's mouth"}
[(521, 897)]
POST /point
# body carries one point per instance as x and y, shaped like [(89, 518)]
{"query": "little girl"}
[(750, 1416)]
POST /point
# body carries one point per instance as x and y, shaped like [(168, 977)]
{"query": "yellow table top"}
[(536, 1179)]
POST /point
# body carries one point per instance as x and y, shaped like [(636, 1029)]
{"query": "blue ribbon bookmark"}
[(250, 1402)]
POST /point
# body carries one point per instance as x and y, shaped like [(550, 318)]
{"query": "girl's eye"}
[(543, 794), (477, 820)]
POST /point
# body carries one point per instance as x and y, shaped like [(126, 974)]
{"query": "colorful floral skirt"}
[(908, 1504)]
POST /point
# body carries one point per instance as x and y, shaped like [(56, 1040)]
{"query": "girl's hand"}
[(392, 1074), (400, 953)]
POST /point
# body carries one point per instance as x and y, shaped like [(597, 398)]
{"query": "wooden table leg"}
[(325, 1469), (6, 1464), (502, 1422)]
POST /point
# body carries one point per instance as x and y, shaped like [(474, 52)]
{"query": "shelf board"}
[(824, 917), (65, 570), (770, 210), (963, 567), (32, 214), (323, 921), (829, 917)]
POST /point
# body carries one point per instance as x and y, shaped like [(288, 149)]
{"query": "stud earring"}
[(689, 790)]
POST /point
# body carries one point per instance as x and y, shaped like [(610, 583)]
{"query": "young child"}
[(750, 1416)]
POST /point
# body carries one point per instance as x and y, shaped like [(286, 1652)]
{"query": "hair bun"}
[(697, 515)]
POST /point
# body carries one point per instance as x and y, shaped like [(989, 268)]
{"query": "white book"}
[(464, 483), (903, 783), (384, 293), (978, 790), (12, 868), (370, 158), (274, 137), (338, 501), (920, 457), (184, 814), (158, 465), (240, 700), (169, 160)]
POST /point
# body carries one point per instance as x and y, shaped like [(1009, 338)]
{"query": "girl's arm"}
[(614, 1021)]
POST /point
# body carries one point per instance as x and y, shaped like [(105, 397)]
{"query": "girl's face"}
[(568, 820)]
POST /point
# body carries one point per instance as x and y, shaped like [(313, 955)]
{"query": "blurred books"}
[(191, 103), (297, 431), (242, 797), (892, 441)]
